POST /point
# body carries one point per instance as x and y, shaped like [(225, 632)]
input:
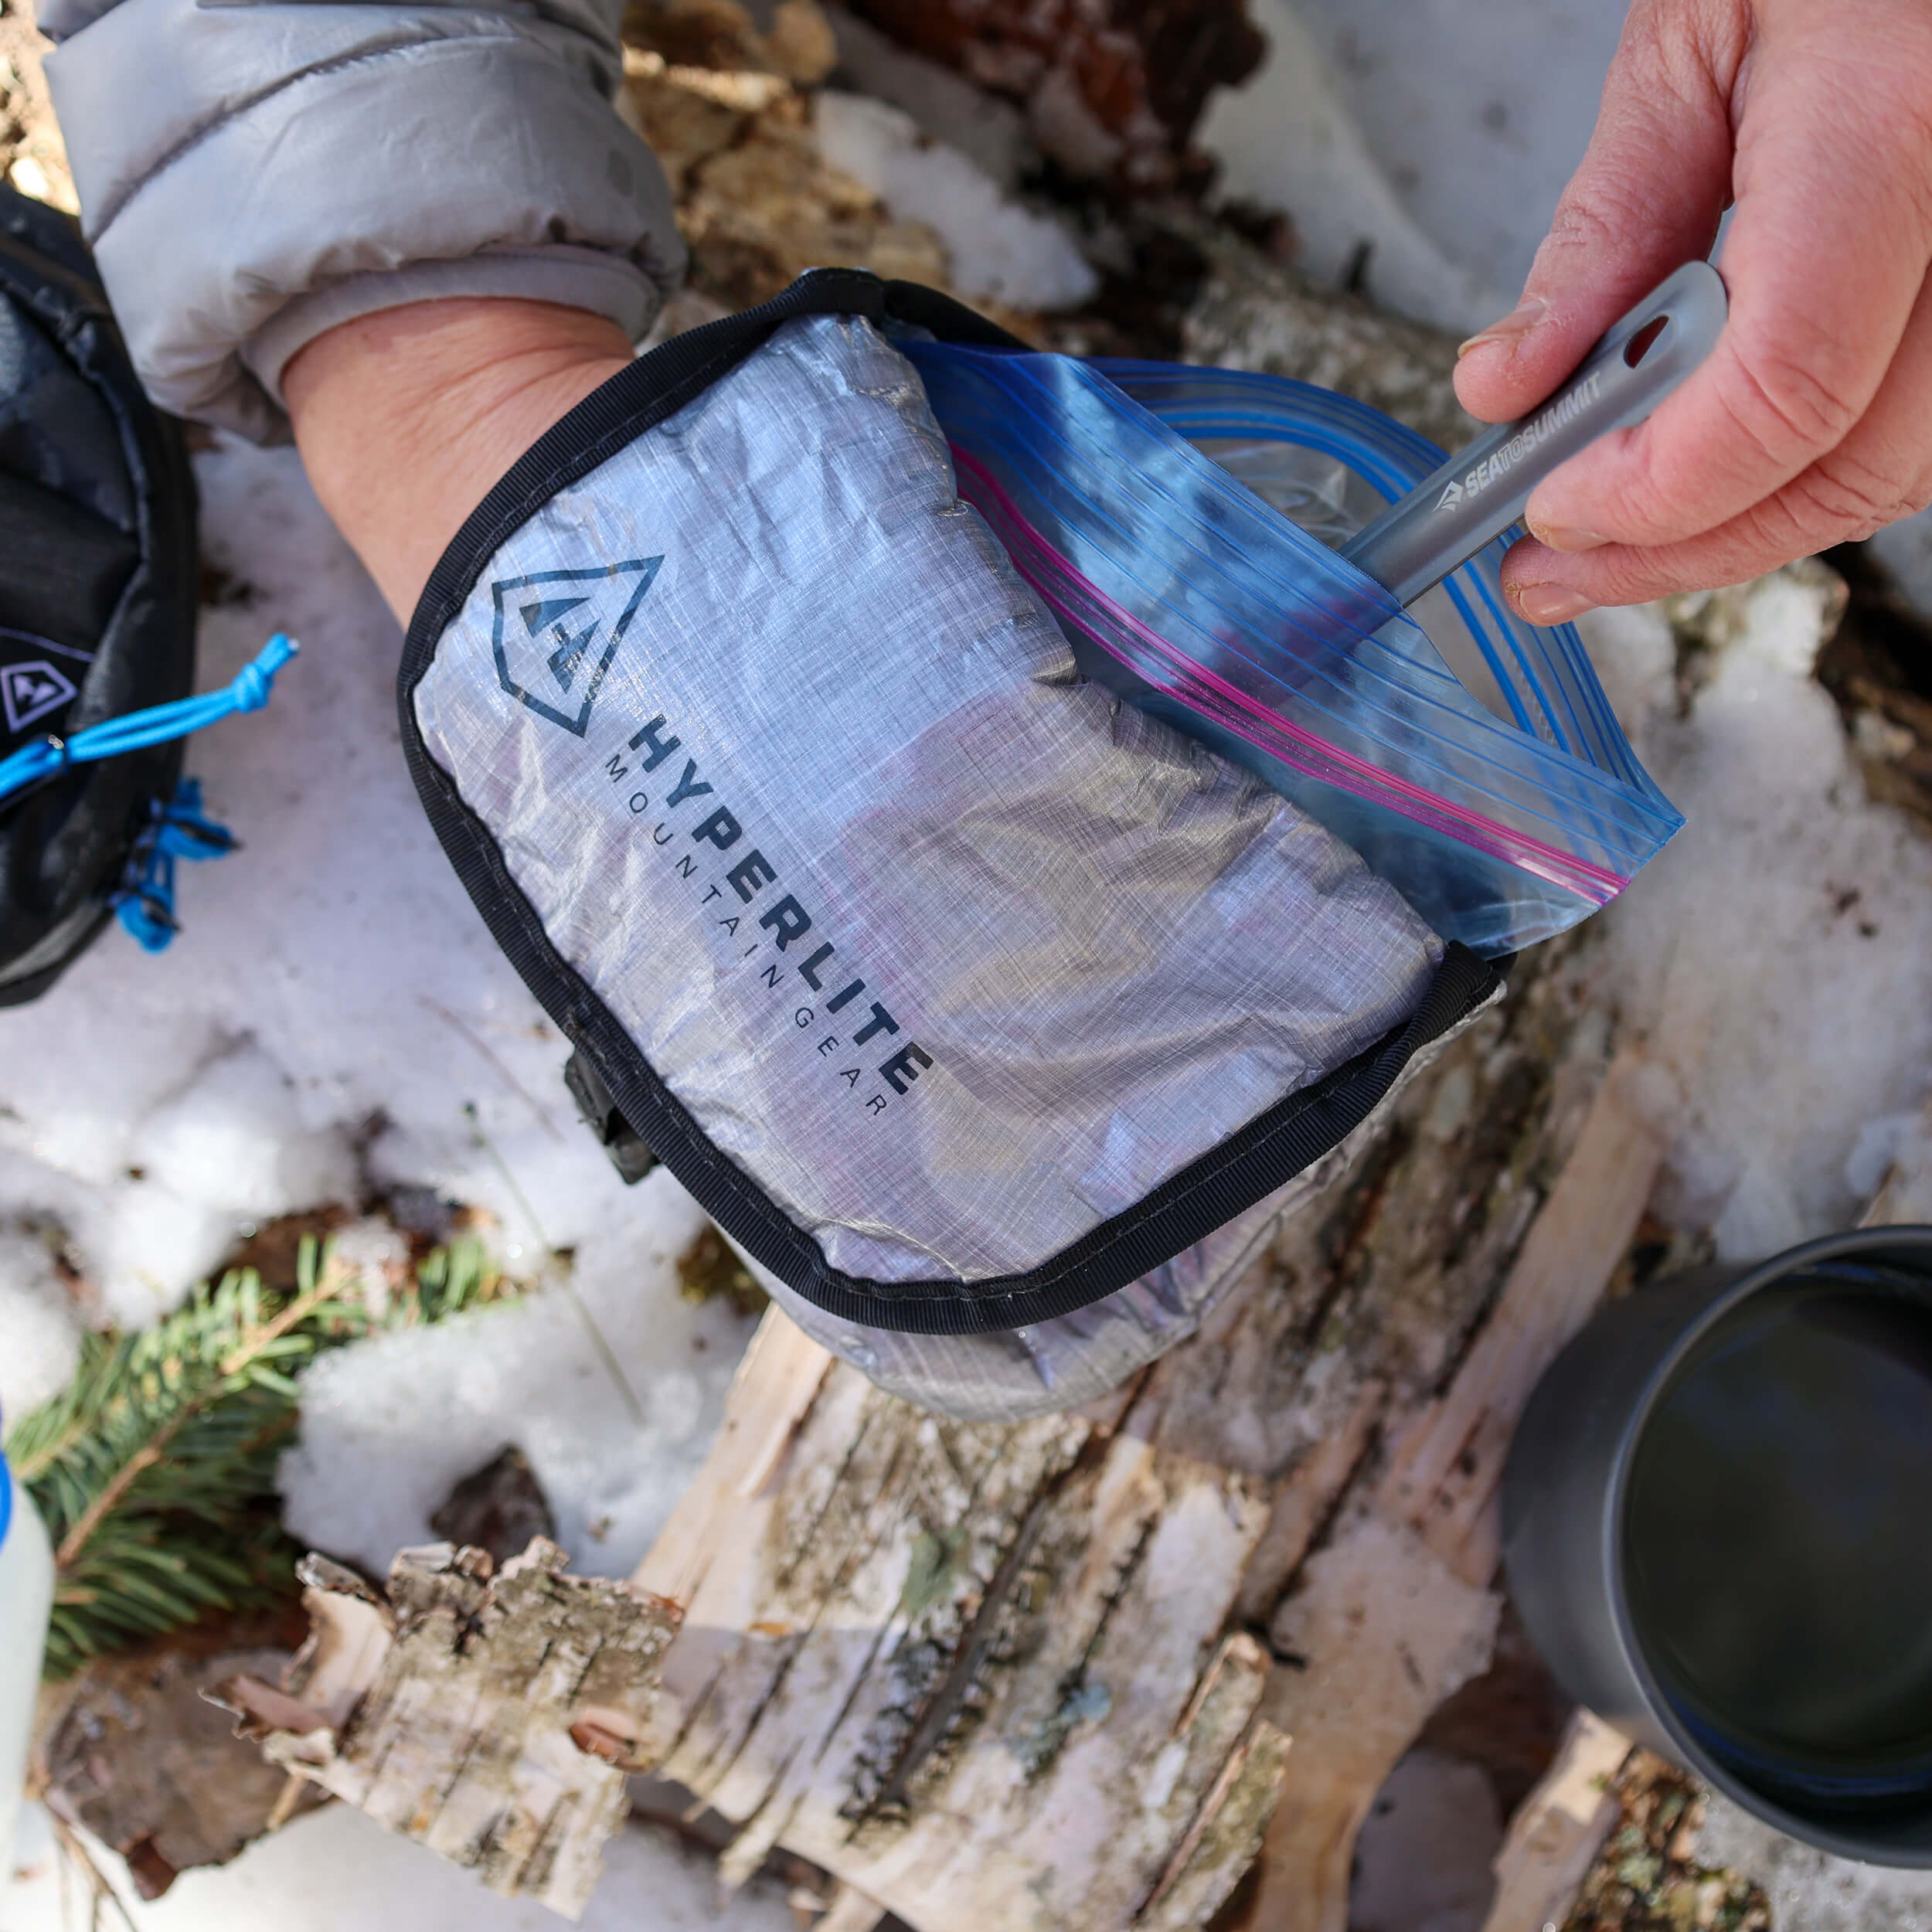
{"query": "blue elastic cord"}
[(145, 902), (247, 692)]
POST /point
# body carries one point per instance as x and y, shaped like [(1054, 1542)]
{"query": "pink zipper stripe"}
[(1054, 576)]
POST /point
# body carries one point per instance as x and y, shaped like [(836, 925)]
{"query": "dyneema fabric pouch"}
[(982, 1010)]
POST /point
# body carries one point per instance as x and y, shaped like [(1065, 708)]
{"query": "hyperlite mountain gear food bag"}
[(993, 1019)]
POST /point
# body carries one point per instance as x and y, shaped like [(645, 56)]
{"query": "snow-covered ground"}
[(994, 247), (334, 1021), (1780, 947), (334, 1871), (1420, 144), (1474, 116)]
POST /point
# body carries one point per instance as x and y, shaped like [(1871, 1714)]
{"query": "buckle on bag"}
[(601, 1114)]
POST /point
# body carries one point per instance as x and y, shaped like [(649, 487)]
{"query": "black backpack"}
[(98, 580)]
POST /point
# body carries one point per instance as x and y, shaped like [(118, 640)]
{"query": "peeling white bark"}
[(977, 1672), (493, 1718)]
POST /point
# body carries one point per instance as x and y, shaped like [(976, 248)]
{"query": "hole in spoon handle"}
[(1477, 493)]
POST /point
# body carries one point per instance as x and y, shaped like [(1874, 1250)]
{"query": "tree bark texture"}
[(492, 1717), (1047, 1674), (981, 1672)]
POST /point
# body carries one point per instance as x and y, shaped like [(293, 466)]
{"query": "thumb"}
[(1646, 197)]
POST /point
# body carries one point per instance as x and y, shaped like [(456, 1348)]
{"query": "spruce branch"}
[(153, 1469)]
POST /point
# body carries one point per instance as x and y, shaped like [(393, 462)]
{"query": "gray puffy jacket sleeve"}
[(252, 172)]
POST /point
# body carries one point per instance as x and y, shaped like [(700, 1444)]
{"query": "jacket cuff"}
[(407, 152), (571, 277)]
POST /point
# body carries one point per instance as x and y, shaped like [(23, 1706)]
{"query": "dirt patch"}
[(1879, 668)]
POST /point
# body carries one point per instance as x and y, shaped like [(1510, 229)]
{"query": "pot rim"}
[(1804, 1826)]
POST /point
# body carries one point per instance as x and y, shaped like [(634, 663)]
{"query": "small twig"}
[(75, 1851), (285, 1806), (144, 1457), (328, 1281), (614, 1368)]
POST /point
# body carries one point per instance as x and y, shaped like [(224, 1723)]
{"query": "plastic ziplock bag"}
[(1174, 519)]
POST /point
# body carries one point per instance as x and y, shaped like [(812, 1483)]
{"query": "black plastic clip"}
[(601, 1115)]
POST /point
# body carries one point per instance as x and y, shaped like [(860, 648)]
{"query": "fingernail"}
[(1567, 536), (1517, 324), (1547, 603)]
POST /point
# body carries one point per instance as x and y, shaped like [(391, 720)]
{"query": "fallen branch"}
[(492, 1717)]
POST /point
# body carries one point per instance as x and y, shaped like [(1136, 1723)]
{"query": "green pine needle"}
[(153, 1469)]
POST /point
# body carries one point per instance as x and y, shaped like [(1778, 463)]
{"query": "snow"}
[(234, 1140), (40, 1328), (1436, 135), (390, 1424), (1807, 1889), (334, 1023), (1476, 116), (994, 247), (946, 105), (1287, 140), (1780, 947), (1909, 1185), (335, 1871)]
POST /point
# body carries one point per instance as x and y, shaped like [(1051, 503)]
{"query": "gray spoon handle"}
[(1481, 491)]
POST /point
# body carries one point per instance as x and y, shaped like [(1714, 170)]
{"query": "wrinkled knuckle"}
[(1786, 404), (1761, 539), (1850, 499), (1786, 525), (1647, 588), (1628, 574)]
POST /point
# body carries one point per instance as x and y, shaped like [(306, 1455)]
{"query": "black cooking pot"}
[(1717, 1523)]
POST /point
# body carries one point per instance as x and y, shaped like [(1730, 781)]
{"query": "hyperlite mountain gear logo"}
[(1500, 462), (556, 631), (31, 691), (32, 686)]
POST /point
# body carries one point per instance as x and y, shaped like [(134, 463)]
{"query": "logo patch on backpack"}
[(33, 687), (556, 631)]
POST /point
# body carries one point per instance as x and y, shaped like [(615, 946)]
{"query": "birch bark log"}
[(1063, 1673)]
